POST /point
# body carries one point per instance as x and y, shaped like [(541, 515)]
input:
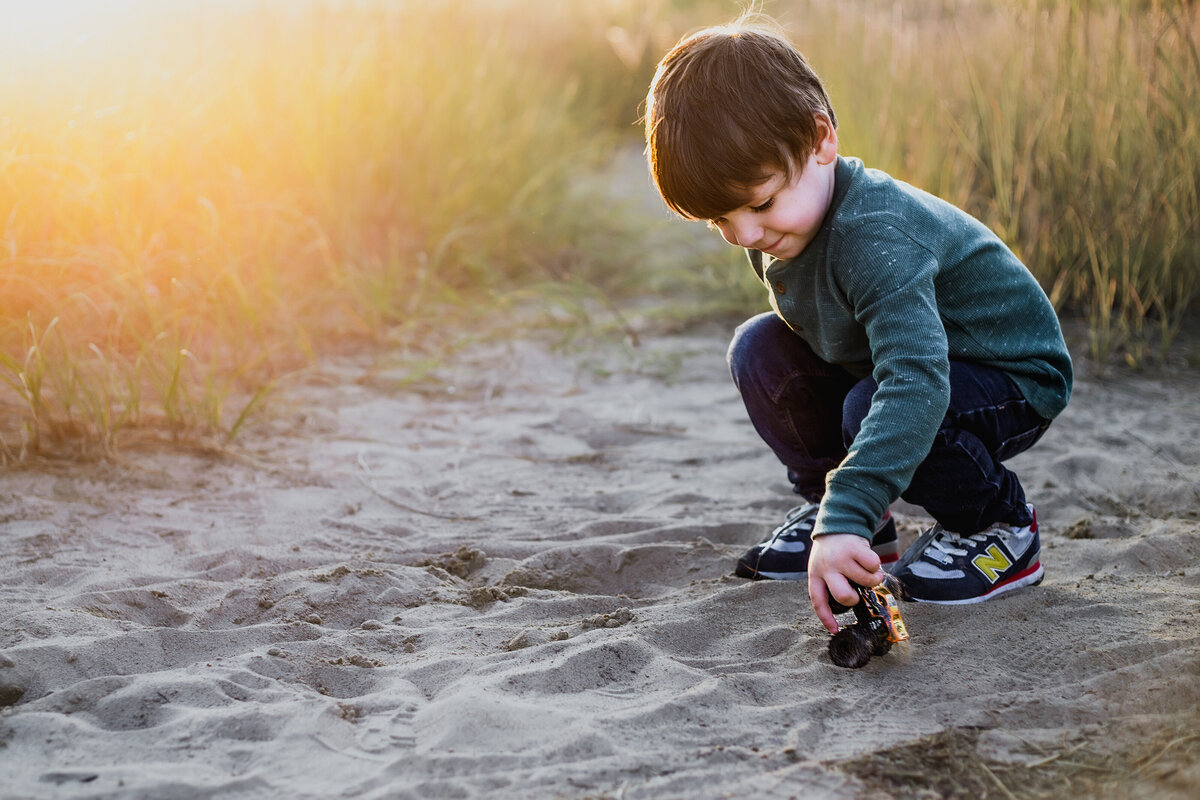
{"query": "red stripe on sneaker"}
[(1025, 573)]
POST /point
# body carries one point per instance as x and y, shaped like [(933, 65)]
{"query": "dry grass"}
[(199, 198), (203, 197), (949, 766), (1069, 128)]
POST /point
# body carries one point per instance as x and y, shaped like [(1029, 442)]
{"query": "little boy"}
[(909, 353)]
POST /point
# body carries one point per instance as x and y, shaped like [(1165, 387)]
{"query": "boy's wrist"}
[(847, 510)]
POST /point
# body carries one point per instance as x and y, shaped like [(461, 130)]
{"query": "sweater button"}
[(780, 288)]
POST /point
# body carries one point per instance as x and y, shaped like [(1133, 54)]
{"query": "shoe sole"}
[(1030, 576), (888, 552)]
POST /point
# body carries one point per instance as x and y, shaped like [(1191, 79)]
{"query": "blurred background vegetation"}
[(197, 198)]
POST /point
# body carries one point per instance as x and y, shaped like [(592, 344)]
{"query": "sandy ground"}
[(512, 578)]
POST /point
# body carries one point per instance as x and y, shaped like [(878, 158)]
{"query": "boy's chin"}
[(785, 249), (792, 245)]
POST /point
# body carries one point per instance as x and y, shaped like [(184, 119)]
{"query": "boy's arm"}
[(887, 281), (888, 284)]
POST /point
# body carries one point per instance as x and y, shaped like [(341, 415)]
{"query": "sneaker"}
[(944, 567), (784, 556)]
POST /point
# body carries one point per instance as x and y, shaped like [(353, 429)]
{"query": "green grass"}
[(207, 197)]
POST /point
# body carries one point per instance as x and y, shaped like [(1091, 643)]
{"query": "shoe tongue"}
[(935, 533), (803, 510)]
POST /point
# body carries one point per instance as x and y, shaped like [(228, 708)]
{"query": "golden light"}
[(50, 26)]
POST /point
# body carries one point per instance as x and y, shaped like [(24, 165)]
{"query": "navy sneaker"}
[(784, 556), (947, 568)]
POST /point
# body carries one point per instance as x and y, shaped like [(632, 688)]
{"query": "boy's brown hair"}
[(727, 106)]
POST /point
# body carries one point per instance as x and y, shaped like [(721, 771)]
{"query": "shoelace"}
[(946, 541), (941, 545), (787, 530)]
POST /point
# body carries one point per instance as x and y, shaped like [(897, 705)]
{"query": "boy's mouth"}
[(773, 245)]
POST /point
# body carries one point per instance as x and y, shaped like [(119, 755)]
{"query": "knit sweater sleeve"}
[(886, 280)]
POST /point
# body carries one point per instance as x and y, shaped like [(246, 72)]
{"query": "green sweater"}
[(895, 284)]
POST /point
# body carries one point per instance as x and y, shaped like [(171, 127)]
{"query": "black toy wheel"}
[(880, 644), (850, 648)]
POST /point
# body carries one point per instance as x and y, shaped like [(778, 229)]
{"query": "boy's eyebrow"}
[(755, 193), (763, 192), (770, 180)]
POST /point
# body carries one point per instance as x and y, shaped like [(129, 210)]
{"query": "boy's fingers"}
[(869, 560), (818, 595), (841, 590), (865, 578), (837, 587), (866, 571)]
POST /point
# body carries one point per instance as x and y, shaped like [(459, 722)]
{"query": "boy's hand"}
[(836, 560)]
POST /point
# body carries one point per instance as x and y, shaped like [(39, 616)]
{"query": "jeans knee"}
[(750, 342)]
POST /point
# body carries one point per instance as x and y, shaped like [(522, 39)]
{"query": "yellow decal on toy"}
[(897, 632), (992, 564)]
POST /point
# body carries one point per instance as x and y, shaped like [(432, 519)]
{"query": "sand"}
[(512, 578)]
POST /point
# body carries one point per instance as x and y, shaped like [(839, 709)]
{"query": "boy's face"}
[(783, 215)]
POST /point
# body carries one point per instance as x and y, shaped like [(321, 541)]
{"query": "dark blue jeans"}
[(809, 411)]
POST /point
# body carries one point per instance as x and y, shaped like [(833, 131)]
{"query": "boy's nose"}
[(742, 232)]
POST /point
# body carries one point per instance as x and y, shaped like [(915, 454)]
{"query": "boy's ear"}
[(827, 141)]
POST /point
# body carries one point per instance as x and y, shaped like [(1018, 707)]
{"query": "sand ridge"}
[(512, 578)]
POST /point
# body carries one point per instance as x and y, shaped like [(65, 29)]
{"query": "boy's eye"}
[(764, 207)]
